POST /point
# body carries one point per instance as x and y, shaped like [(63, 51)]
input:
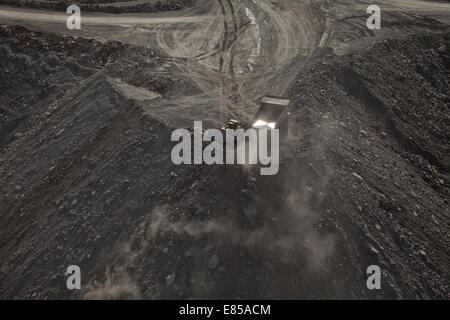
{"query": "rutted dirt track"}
[(234, 51), (364, 177)]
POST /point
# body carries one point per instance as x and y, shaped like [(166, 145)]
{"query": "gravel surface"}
[(87, 178)]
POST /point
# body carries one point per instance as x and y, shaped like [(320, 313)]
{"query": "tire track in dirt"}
[(210, 46), (291, 34), (229, 85)]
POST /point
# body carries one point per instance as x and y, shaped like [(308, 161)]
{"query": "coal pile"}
[(88, 180)]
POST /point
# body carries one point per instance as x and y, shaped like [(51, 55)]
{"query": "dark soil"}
[(87, 180)]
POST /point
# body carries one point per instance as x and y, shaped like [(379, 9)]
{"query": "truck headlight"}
[(262, 123)]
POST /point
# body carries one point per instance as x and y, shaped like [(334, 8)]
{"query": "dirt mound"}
[(88, 180), (108, 167), (378, 121)]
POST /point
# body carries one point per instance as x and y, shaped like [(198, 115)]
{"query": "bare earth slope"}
[(53, 202), (87, 178), (386, 143)]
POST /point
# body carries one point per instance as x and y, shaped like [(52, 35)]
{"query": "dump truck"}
[(272, 114)]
